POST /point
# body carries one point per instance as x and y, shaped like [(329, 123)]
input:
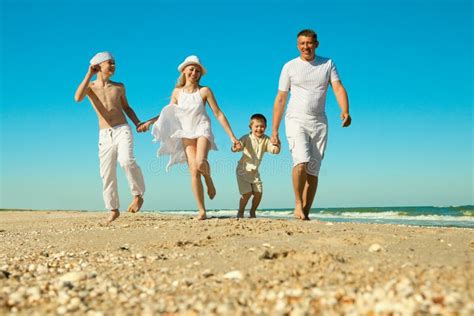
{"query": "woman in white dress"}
[(183, 128)]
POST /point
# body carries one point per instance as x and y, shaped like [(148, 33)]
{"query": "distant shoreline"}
[(469, 206), (417, 216)]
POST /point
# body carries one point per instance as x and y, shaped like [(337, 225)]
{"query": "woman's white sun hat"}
[(191, 60)]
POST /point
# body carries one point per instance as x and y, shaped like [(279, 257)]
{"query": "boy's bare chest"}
[(109, 95)]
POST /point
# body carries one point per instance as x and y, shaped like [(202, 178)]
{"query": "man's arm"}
[(84, 86), (343, 101), (278, 110)]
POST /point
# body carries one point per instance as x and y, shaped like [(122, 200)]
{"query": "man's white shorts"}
[(307, 138)]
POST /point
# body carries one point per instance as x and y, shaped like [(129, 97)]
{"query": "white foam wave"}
[(389, 214), (395, 215), (381, 216)]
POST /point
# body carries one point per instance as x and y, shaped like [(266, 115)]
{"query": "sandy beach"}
[(57, 262)]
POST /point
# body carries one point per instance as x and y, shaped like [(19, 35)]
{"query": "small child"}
[(253, 145)]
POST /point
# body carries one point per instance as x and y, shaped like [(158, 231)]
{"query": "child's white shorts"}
[(247, 186)]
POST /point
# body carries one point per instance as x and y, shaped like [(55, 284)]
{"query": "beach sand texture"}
[(57, 262)]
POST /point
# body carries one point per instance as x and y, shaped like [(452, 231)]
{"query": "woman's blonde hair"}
[(181, 82)]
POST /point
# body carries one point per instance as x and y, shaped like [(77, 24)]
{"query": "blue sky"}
[(407, 67)]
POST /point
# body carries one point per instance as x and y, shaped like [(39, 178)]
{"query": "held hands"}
[(275, 139), (236, 145), (346, 119), (276, 149), (143, 127)]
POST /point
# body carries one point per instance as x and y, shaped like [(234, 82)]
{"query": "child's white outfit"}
[(187, 119), (253, 148), (116, 144)]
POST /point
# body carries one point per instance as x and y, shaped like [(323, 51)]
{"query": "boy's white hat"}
[(191, 60), (101, 57)]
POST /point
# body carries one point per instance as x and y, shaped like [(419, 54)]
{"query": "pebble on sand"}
[(234, 275), (375, 248), (72, 277)]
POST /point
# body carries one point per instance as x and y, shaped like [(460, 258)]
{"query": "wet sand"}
[(56, 262)]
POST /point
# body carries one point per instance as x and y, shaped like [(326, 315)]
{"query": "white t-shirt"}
[(308, 84)]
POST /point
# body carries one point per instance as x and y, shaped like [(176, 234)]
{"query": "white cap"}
[(191, 60), (101, 57)]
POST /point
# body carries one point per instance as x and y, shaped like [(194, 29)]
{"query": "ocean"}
[(435, 216)]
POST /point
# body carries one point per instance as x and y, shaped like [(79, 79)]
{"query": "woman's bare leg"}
[(190, 150), (203, 166)]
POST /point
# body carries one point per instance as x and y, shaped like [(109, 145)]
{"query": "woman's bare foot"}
[(252, 214), (211, 189), (202, 215), (113, 215), (240, 214), (136, 204), (299, 214)]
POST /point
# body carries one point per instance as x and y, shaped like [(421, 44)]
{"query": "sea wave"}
[(468, 213), (418, 216), (396, 215)]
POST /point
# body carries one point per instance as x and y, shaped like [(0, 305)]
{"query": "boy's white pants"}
[(116, 144)]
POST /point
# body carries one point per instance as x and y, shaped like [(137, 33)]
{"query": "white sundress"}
[(187, 119)]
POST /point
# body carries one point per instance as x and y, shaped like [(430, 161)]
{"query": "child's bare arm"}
[(128, 109), (83, 88)]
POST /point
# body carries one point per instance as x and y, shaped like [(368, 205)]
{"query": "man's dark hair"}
[(308, 33), (258, 117)]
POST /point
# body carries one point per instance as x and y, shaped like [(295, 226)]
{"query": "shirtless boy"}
[(115, 135)]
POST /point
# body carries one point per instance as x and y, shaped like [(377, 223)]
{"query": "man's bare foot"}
[(240, 214), (113, 215), (201, 216), (252, 215), (136, 204)]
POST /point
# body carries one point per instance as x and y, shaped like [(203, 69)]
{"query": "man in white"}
[(307, 77), (115, 135)]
